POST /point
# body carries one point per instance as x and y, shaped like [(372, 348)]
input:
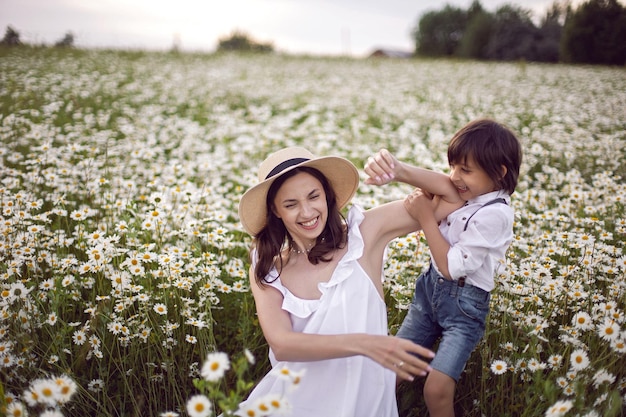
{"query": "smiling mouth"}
[(310, 223)]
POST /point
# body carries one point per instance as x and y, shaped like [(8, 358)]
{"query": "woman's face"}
[(301, 204)]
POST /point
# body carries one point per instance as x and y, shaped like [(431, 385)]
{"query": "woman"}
[(317, 284)]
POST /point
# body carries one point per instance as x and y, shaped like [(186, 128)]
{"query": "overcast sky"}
[(353, 27)]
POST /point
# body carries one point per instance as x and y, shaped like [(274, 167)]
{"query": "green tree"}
[(439, 33), (595, 33), (514, 35), (550, 30), (477, 33), (241, 41), (66, 42), (11, 37)]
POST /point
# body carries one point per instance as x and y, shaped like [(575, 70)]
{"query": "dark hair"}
[(274, 236), (491, 145)]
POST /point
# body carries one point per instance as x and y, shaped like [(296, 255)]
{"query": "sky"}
[(315, 27)]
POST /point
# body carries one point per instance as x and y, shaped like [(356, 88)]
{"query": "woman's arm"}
[(391, 220), (287, 345), (387, 222), (384, 167)]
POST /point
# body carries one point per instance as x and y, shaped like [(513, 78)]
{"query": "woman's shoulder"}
[(354, 234), (356, 214)]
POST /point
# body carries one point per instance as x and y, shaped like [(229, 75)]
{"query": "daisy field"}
[(123, 266)]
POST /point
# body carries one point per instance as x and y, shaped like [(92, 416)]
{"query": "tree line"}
[(236, 41), (12, 38), (592, 33)]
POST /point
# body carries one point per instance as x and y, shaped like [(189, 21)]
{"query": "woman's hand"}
[(399, 355), (381, 167)]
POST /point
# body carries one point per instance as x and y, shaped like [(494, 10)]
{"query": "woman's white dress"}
[(346, 387)]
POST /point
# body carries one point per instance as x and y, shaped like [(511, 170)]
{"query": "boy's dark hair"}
[(491, 145)]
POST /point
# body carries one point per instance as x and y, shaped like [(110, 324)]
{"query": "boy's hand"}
[(420, 204), (381, 167)]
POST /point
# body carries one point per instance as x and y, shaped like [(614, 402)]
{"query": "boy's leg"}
[(419, 324), (462, 312), (439, 394)]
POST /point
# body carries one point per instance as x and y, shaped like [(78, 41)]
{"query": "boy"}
[(451, 300)]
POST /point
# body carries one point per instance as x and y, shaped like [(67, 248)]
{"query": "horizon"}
[(346, 27)]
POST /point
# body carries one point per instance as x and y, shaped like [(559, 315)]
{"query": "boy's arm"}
[(383, 168), (421, 209)]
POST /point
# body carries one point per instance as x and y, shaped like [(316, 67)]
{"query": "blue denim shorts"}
[(443, 309)]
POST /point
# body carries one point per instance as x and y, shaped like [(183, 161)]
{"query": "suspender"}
[(496, 200)]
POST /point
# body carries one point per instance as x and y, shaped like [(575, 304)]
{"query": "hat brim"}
[(341, 174)]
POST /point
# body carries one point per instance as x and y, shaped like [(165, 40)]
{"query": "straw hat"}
[(341, 174)]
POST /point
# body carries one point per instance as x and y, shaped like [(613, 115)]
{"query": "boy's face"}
[(470, 179)]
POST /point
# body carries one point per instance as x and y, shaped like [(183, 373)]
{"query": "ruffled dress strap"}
[(345, 267), (303, 308)]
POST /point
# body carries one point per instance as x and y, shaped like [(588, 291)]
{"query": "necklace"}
[(298, 251)]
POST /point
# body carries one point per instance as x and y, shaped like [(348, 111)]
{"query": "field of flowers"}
[(123, 268)]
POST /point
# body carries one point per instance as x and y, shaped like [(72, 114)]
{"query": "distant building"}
[(390, 53)]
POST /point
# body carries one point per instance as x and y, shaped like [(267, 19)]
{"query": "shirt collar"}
[(485, 198)]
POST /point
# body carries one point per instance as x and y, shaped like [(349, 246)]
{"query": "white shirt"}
[(479, 251)]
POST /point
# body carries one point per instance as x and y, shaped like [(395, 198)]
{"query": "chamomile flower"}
[(7, 360), (499, 367), (47, 284), (582, 321), (67, 388), (289, 375), (79, 337), (619, 345), (602, 376), (272, 405), (535, 365), (555, 361), (46, 391), (261, 407), (137, 270), (608, 330), (5, 347), (160, 309), (114, 327), (199, 406), (562, 382), (77, 215), (95, 385), (560, 408), (579, 360), (16, 409), (215, 366), (148, 224), (52, 319), (248, 410), (68, 280), (121, 227), (18, 290), (95, 342)]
